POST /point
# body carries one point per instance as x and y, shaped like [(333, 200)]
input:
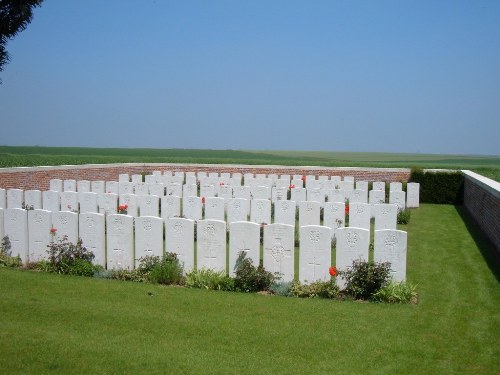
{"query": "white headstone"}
[(175, 190), (107, 203), (148, 237), (242, 192), (149, 205), (88, 202), (358, 196), (336, 195), (285, 212), (190, 190), (347, 186), (377, 197), (225, 191), (362, 185), (97, 187), (391, 246), (33, 199), (398, 198), (207, 190), (136, 178), (201, 175), (51, 200), (56, 184), (69, 185), (16, 227), (211, 245), (378, 185), (126, 188), (395, 186), (359, 215), (247, 179), (191, 208), (3, 198), (413, 195), (120, 241), (69, 201), (112, 187), (296, 183), (141, 188), (83, 186), (15, 198), (335, 181), (66, 224), (298, 194), (352, 244), (131, 200), (260, 211), (315, 253), (316, 195), (334, 216), (1, 225), (279, 250), (179, 239), (237, 210), (191, 179), (386, 216), (309, 213), (39, 235), (235, 181), (214, 208), (91, 231), (243, 237), (123, 177), (261, 192), (282, 184), (170, 206)]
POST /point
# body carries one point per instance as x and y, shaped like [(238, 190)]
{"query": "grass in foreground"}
[(63, 324)]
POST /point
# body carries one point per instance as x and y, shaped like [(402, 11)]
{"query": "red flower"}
[(303, 178), (221, 184), (53, 230), (347, 209), (202, 200), (332, 271), (292, 186)]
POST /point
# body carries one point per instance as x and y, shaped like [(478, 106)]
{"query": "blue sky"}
[(387, 76)]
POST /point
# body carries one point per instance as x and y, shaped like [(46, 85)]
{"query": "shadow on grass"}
[(490, 255)]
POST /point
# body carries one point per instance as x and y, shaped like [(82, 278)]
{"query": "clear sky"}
[(388, 76)]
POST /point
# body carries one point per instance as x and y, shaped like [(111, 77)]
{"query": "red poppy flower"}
[(303, 178), (221, 184), (332, 271), (292, 186), (53, 230), (202, 200), (347, 209)]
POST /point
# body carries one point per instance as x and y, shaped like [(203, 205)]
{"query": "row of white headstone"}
[(119, 241)]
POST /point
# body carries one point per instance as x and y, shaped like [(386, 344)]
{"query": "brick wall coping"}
[(212, 166), (486, 183)]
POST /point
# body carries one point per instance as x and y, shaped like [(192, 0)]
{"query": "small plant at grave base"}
[(6, 259), (261, 231), (404, 216), (283, 288), (68, 258), (167, 271), (317, 289), (122, 209), (209, 279), (364, 279), (394, 292), (249, 278)]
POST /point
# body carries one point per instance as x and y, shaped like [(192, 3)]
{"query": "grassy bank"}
[(62, 324)]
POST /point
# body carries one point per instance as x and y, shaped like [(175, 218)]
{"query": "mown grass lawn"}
[(63, 324)]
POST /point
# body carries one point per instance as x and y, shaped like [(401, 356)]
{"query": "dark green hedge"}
[(439, 187)]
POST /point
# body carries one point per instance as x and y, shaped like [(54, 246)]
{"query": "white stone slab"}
[(334, 216), (179, 239), (282, 184), (107, 203), (148, 237), (247, 179), (149, 205), (175, 190), (309, 213), (201, 175), (243, 237), (313, 184), (316, 195), (91, 231), (398, 198), (157, 189), (149, 179), (97, 187), (211, 245), (378, 185), (191, 180), (260, 211), (214, 208), (88, 202), (16, 227), (386, 216), (191, 208), (136, 178), (33, 199), (15, 198), (395, 186), (336, 195), (69, 201), (315, 253), (296, 183), (352, 244), (298, 194), (336, 181), (39, 235), (83, 186), (132, 202), (362, 185), (56, 184), (285, 212), (235, 181), (141, 188), (261, 192), (391, 246), (224, 191), (123, 177), (3, 198), (376, 197), (237, 210), (207, 190), (279, 250), (126, 188), (120, 241), (413, 195), (347, 186), (51, 200), (359, 215), (66, 224), (69, 185), (243, 192), (358, 196), (113, 187), (170, 206), (190, 190)]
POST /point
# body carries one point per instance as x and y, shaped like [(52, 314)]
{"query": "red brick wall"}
[(38, 178), (484, 207)]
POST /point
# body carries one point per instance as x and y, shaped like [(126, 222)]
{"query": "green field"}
[(64, 325), (33, 156)]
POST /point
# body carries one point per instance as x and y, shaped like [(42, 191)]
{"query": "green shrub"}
[(167, 271), (126, 275), (393, 292), (249, 278), (317, 289), (209, 279), (364, 279), (404, 216), (283, 288), (439, 187), (6, 259), (68, 258)]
